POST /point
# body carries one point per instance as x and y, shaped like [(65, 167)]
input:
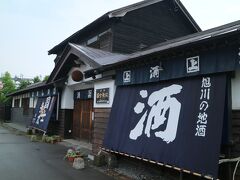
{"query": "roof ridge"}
[(94, 49), (120, 12)]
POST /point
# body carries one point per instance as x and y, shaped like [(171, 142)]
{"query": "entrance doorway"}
[(82, 120)]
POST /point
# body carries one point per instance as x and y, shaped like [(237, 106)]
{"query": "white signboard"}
[(193, 64), (127, 76)]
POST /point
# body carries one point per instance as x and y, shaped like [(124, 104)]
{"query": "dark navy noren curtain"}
[(43, 112), (176, 122)]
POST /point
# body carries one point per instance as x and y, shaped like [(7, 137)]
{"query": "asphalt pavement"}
[(21, 159)]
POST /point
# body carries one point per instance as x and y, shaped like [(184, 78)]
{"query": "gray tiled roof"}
[(28, 88), (99, 56), (118, 13)]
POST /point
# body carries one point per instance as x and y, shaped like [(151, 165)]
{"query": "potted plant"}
[(71, 155)]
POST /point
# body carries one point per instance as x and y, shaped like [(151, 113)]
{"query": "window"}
[(16, 103), (94, 43), (25, 105), (102, 41)]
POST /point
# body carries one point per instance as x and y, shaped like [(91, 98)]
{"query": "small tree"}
[(45, 78), (36, 79), (8, 87), (23, 84)]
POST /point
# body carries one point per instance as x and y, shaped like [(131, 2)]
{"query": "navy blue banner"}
[(175, 122), (42, 112), (215, 61)]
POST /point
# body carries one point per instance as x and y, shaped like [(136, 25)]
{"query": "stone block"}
[(78, 163), (34, 138), (44, 137)]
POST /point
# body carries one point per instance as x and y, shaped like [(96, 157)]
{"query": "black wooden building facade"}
[(215, 51), (134, 27), (135, 37), (125, 30)]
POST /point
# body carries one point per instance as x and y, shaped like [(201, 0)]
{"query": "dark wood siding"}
[(18, 117), (106, 41), (25, 105), (151, 25), (17, 103), (5, 112), (236, 131), (103, 42), (236, 136), (63, 124), (88, 34), (101, 116)]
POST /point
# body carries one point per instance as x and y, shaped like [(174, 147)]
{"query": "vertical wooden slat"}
[(82, 126), (101, 117)]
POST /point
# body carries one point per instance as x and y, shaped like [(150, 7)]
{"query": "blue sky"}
[(30, 28)]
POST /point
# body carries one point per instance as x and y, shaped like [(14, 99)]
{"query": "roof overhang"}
[(66, 59), (29, 88), (121, 12), (95, 58), (171, 45)]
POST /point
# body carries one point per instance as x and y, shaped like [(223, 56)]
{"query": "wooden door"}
[(82, 120)]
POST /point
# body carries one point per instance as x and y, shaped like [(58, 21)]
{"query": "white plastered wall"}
[(67, 98), (105, 84), (67, 101), (31, 102), (82, 68), (13, 100), (236, 91), (20, 103)]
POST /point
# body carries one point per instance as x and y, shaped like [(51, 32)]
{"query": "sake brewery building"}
[(125, 30), (144, 81), (177, 103)]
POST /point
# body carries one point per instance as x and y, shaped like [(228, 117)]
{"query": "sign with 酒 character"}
[(221, 60), (178, 122), (102, 95), (83, 94)]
